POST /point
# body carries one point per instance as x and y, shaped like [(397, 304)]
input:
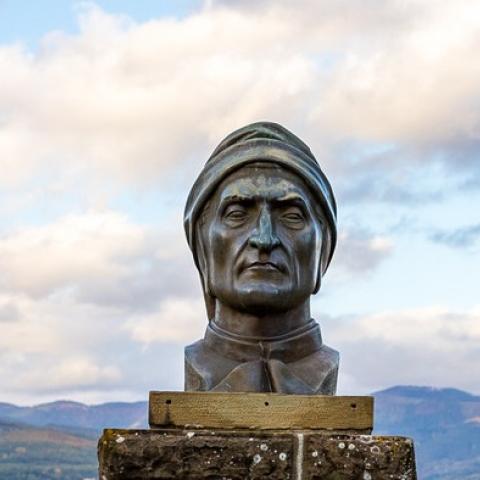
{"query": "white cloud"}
[(39, 260), (76, 295), (8, 312), (59, 347), (102, 257), (71, 372), (177, 320), (425, 346), (359, 252), (131, 101)]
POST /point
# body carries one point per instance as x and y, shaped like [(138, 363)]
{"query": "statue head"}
[(261, 221)]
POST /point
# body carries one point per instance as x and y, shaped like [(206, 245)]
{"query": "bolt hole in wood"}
[(267, 404), (353, 405), (168, 402)]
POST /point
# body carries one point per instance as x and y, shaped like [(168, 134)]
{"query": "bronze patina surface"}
[(261, 223)]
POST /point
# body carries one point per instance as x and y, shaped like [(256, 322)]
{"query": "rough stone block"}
[(243, 454), (364, 457)]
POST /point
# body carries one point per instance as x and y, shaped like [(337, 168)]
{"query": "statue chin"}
[(262, 300)]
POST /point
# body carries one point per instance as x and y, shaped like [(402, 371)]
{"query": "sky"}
[(109, 109)]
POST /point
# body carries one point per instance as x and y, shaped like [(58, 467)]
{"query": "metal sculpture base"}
[(258, 451)]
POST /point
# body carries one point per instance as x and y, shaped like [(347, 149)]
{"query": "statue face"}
[(262, 239)]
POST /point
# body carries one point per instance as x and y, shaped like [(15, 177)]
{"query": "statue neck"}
[(261, 326)]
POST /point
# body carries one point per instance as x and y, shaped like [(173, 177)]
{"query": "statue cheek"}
[(307, 250), (222, 251), (225, 242), (220, 242), (305, 244)]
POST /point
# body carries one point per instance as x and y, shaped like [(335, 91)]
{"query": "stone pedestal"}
[(255, 436), (241, 455)]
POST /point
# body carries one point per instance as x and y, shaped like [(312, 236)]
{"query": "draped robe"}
[(297, 362)]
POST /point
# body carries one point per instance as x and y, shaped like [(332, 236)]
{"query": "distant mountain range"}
[(445, 424), (58, 440), (74, 414)]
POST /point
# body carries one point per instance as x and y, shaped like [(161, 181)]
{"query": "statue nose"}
[(264, 237)]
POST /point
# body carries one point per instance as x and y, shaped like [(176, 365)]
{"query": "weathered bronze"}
[(261, 223)]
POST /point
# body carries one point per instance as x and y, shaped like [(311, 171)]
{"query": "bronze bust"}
[(261, 223)]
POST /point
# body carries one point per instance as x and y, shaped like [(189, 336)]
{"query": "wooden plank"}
[(267, 411)]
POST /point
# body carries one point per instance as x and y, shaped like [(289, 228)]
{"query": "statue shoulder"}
[(204, 367), (319, 370)]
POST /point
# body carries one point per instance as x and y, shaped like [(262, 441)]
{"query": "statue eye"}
[(293, 217), (235, 214)]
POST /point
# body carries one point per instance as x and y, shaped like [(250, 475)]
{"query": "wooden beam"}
[(265, 411)]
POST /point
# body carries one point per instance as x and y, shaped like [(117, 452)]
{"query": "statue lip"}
[(258, 265)]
